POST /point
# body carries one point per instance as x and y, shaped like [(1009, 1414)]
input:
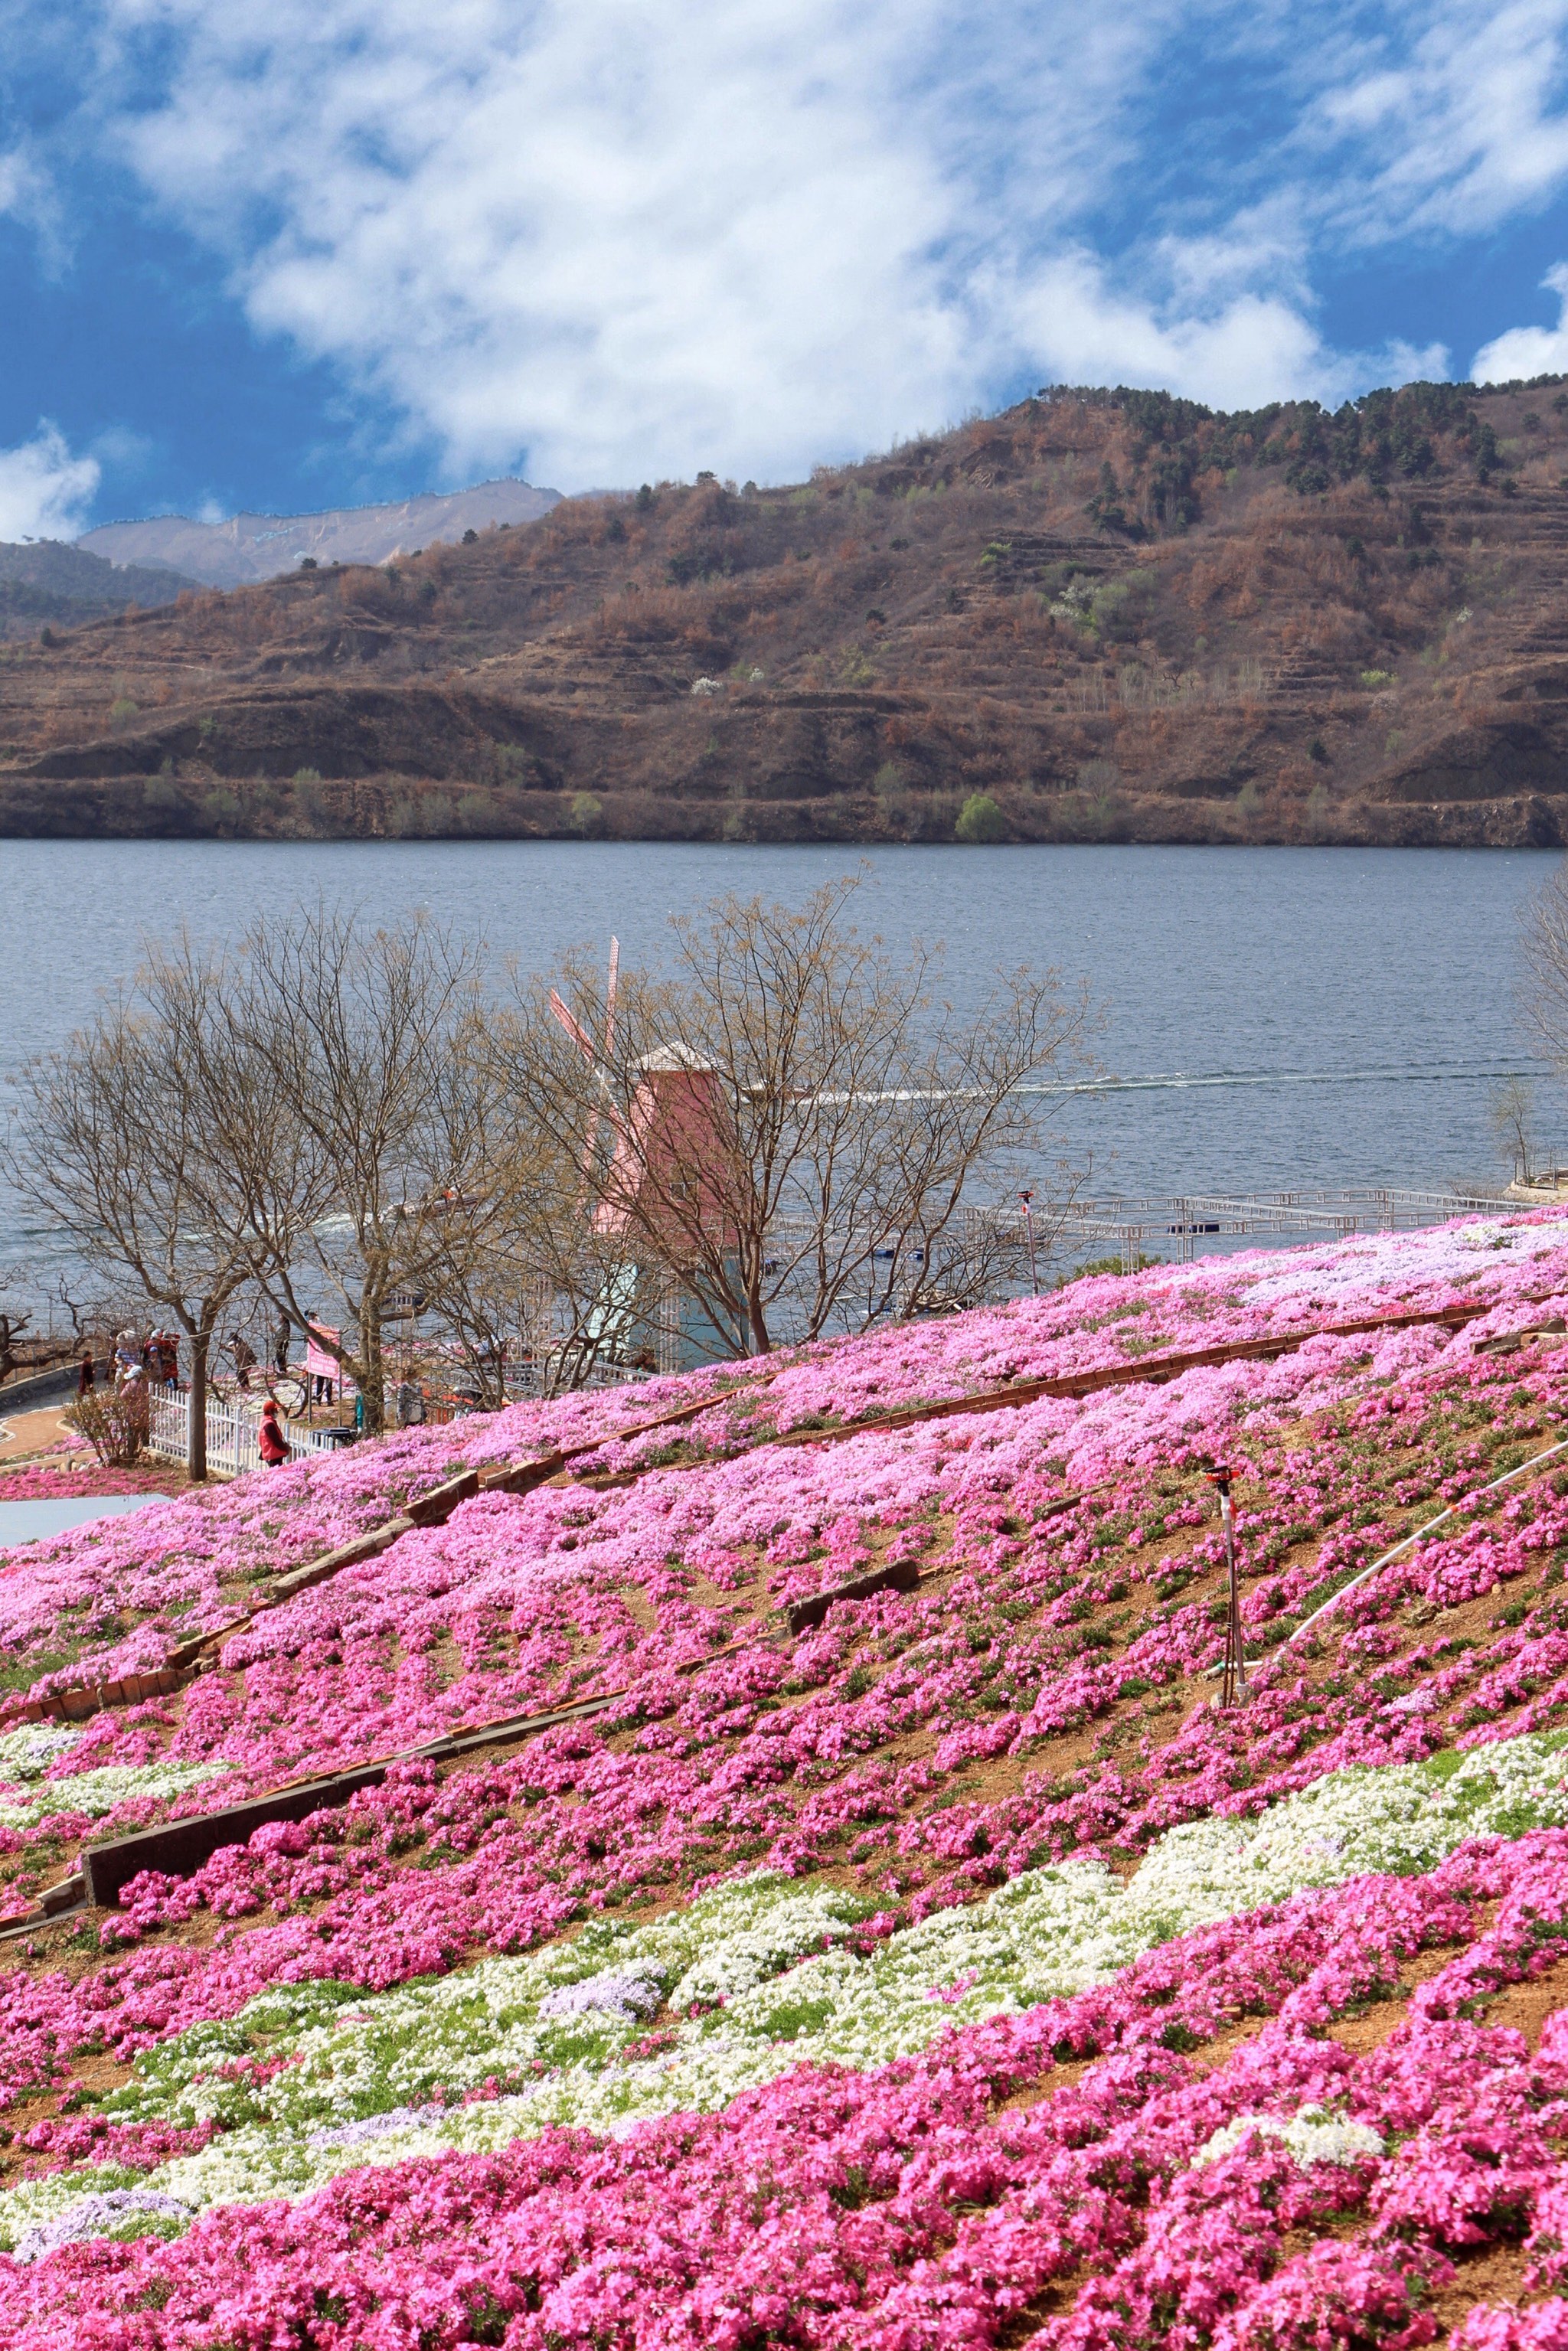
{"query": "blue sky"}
[(318, 252)]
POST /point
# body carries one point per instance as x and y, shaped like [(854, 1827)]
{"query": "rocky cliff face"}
[(1110, 616)]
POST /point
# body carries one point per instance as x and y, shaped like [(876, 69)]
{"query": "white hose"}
[(1420, 1536)]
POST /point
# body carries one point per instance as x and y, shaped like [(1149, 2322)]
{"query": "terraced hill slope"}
[(1111, 616), (882, 1939)]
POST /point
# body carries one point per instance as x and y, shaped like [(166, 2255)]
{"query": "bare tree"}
[(356, 1126), (795, 1123), (114, 1138), (17, 1318), (95, 1315), (1544, 990), (1512, 1111), (540, 1289)]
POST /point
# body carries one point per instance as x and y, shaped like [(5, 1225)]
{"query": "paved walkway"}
[(26, 1522), (25, 1433)]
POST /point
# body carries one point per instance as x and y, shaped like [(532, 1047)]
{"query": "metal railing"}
[(232, 1430), (1148, 1226)]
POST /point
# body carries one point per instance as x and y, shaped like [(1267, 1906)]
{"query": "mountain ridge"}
[(248, 549), (1102, 615), (49, 580)]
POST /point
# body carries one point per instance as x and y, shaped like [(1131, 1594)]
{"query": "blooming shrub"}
[(952, 1973)]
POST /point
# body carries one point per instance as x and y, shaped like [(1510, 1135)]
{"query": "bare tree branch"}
[(357, 1121), (791, 1125), (115, 1139)]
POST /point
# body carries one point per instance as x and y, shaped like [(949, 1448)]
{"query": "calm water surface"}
[(1273, 1017)]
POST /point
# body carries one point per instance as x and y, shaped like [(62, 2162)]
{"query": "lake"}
[(1272, 1017)]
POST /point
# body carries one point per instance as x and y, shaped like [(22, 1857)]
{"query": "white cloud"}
[(649, 236), (18, 180), (1242, 351), (1259, 349), (29, 195), (1529, 350), (45, 492), (642, 236), (693, 229), (1452, 121)]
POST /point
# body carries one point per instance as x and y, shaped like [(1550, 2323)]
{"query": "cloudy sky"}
[(293, 253)]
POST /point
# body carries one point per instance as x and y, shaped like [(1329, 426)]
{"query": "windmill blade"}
[(585, 1045), (609, 990), (591, 1144), (574, 1028)]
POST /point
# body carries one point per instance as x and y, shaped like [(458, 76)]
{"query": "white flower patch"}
[(375, 2127), (375, 2079), (114, 2213), (637, 1990), (773, 1935), (97, 1792), (28, 1753), (1399, 1818), (27, 1796), (65, 2201), (1312, 2136)]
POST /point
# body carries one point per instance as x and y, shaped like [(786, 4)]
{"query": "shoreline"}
[(114, 810)]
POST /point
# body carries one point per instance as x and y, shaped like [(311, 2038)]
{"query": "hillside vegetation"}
[(45, 583), (1102, 615)]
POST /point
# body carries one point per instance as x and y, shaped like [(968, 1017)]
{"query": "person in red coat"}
[(269, 1436)]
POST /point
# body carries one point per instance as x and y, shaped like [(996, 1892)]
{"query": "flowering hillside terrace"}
[(949, 1972)]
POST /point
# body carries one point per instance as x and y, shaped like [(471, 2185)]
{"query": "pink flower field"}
[(75, 1475), (954, 1973)]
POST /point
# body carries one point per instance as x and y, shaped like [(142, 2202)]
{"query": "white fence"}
[(232, 1446)]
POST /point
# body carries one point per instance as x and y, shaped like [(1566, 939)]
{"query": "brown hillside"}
[(1118, 616)]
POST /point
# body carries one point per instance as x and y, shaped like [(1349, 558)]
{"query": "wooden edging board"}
[(900, 1575), (433, 1508), (1152, 1368), (428, 1509), (180, 1846)]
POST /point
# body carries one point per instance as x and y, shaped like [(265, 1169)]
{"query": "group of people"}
[(140, 1365), (155, 1360), (146, 1364)]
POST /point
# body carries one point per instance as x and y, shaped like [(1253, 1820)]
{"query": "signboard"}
[(322, 1365)]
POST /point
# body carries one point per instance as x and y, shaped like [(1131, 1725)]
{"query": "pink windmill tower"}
[(666, 1196)]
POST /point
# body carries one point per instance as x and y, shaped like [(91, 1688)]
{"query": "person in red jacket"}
[(269, 1436)]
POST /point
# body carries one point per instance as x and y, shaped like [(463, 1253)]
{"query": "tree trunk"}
[(373, 1388), (196, 1426)]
